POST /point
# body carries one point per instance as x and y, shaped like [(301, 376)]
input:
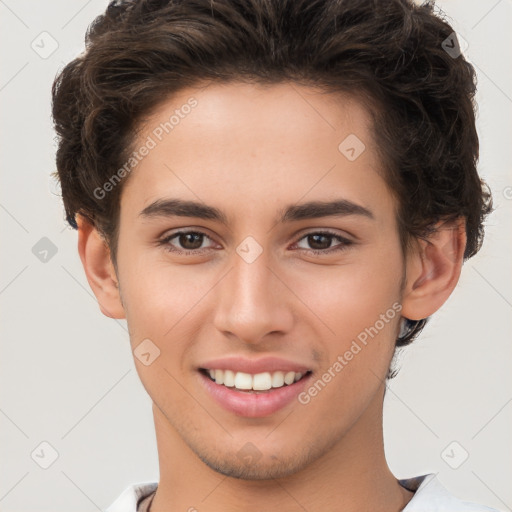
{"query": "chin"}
[(269, 467)]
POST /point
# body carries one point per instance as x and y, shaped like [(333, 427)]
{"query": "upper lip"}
[(254, 366)]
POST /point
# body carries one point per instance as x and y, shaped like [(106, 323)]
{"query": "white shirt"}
[(429, 496)]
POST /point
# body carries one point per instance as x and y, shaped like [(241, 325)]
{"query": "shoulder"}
[(431, 496), (131, 496)]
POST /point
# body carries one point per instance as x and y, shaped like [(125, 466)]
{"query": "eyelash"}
[(344, 243)]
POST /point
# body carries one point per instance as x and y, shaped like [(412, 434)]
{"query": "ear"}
[(433, 269), (100, 272)]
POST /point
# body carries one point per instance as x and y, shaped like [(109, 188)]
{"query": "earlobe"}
[(433, 270), (99, 270)]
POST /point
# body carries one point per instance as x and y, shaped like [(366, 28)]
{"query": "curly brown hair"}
[(391, 54)]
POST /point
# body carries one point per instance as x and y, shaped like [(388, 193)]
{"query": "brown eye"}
[(321, 243), (190, 240), (185, 242)]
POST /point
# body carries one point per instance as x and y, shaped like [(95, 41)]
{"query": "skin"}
[(250, 151)]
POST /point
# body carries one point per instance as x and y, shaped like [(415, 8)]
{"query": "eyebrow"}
[(309, 210)]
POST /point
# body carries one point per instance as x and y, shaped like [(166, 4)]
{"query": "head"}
[(252, 109)]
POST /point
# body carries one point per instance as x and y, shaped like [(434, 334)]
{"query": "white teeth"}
[(258, 382), (289, 378), (219, 376), (242, 380), (262, 381), (277, 379), (229, 378)]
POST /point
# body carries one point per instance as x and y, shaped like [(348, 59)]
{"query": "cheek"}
[(157, 295), (360, 304), (361, 308), (352, 297)]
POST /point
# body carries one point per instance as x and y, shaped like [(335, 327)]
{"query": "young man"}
[(275, 195)]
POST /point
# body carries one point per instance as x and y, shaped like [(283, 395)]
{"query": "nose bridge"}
[(251, 301)]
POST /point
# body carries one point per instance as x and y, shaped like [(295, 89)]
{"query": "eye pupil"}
[(186, 237), (313, 241)]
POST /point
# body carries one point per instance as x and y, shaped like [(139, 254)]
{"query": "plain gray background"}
[(67, 374)]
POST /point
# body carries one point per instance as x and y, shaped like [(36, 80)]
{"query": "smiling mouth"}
[(253, 383)]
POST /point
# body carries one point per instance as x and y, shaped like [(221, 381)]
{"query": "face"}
[(256, 244)]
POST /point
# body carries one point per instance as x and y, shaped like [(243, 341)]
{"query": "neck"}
[(352, 476)]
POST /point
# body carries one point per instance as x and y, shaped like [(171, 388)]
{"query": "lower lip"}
[(253, 405)]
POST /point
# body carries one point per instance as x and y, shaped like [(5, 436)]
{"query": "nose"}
[(253, 301)]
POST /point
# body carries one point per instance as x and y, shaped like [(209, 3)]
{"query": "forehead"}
[(257, 112), (272, 142)]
